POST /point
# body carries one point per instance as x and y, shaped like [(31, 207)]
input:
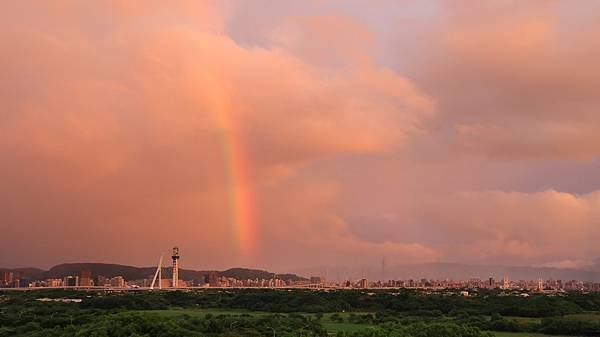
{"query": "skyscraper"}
[(71, 281), (320, 280), (85, 277), (363, 283), (118, 282), (6, 278), (212, 279)]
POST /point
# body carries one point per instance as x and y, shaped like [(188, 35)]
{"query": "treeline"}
[(404, 301), (286, 301), (572, 326), (396, 313), (65, 320), (93, 324)]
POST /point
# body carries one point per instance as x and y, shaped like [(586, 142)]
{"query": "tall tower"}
[(175, 257)]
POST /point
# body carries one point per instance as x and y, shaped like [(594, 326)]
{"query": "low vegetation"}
[(403, 313)]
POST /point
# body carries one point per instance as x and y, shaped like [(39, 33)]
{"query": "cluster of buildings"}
[(85, 279), (212, 279), (540, 285), (10, 279)]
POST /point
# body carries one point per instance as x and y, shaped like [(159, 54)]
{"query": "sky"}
[(290, 134)]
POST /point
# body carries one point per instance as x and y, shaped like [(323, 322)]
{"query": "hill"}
[(33, 273), (244, 274), (138, 273)]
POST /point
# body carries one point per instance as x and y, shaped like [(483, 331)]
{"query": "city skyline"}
[(97, 276), (292, 135)]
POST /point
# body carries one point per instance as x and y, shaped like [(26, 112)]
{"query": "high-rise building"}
[(16, 281), (199, 280), (6, 278), (24, 282), (175, 257), (363, 283), (71, 281), (321, 280), (101, 281), (85, 277), (275, 283), (212, 279), (55, 282), (118, 282)]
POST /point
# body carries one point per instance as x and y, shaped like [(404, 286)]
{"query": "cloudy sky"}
[(291, 134)]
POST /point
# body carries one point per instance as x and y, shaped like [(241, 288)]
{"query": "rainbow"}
[(240, 192), (239, 187)]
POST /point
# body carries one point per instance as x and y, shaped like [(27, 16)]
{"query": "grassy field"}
[(333, 326), (524, 319), (590, 316), (346, 327), (519, 334), (201, 312), (328, 323)]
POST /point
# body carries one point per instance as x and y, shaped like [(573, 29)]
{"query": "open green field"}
[(520, 334), (332, 326), (345, 327), (328, 323), (202, 312), (590, 316), (524, 319)]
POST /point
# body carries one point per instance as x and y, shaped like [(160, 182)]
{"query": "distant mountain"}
[(244, 274), (33, 273), (454, 271), (137, 273), (104, 269)]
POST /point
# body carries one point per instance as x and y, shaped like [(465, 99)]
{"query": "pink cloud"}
[(116, 134)]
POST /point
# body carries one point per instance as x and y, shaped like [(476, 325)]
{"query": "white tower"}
[(175, 257)]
